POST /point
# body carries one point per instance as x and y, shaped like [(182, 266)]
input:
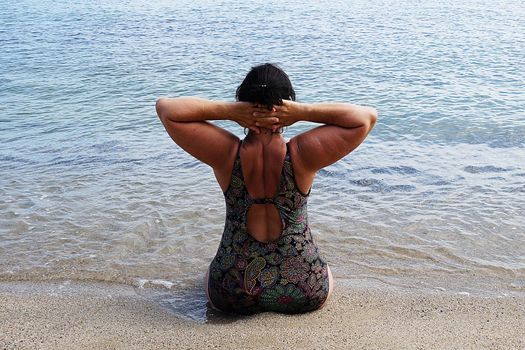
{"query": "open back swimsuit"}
[(286, 275)]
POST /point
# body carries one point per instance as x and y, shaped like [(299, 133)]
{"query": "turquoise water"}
[(92, 188)]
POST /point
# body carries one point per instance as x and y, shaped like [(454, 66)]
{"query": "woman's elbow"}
[(372, 118), (160, 107)]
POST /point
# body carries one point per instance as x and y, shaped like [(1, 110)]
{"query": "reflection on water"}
[(188, 303)]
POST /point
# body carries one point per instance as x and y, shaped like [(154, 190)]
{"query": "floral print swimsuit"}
[(286, 275)]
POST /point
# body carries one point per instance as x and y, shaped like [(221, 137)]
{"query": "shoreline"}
[(65, 315)]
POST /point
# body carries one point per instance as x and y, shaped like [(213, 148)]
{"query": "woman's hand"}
[(243, 113), (286, 114)]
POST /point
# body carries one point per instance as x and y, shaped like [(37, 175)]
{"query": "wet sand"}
[(99, 316)]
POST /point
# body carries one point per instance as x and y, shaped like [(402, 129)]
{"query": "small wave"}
[(518, 285), (516, 189), (484, 169), (405, 170), (400, 188), (92, 161), (367, 182), (13, 159), (141, 283), (380, 186), (44, 275), (107, 146), (440, 183)]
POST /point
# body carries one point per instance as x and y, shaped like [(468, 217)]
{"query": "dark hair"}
[(266, 84)]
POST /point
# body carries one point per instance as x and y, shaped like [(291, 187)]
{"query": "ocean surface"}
[(93, 189)]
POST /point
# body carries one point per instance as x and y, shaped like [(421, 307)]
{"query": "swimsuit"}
[(285, 275)]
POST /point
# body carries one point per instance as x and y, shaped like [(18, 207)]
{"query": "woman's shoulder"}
[(223, 174), (302, 176)]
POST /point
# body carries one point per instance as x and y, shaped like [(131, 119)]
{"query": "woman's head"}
[(266, 84)]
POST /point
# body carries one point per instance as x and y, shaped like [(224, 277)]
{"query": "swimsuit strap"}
[(268, 200), (237, 170)]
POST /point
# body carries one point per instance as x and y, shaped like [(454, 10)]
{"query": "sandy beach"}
[(99, 316)]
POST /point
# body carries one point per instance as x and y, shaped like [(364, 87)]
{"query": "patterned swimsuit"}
[(286, 275)]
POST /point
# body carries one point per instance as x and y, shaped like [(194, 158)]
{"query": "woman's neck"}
[(265, 136)]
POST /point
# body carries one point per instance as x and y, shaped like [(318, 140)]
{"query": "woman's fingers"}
[(264, 108), (266, 114), (276, 127), (268, 120), (255, 129)]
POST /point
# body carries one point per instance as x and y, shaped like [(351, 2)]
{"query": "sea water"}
[(92, 188)]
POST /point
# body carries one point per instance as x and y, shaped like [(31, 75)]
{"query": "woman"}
[(267, 259)]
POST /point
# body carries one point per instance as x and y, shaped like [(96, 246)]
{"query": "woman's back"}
[(282, 272), (262, 163)]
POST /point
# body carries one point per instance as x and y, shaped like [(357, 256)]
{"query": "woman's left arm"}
[(185, 120)]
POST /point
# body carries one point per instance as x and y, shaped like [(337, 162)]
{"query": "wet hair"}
[(266, 84)]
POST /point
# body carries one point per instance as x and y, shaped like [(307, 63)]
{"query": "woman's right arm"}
[(345, 127)]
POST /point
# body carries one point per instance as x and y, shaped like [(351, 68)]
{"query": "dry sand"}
[(98, 316)]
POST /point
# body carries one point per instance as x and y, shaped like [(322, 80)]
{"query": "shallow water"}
[(92, 188)]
